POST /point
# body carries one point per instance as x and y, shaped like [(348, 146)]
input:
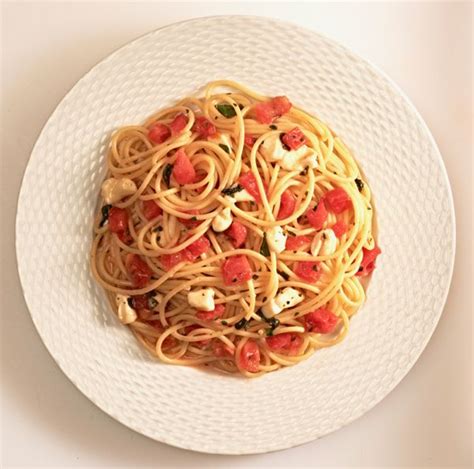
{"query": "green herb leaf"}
[(242, 324), (224, 147), (284, 275), (273, 127), (152, 303), (264, 249), (167, 173), (359, 184), (227, 110), (224, 323), (232, 190), (105, 215)]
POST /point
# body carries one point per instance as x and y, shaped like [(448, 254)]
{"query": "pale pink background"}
[(425, 47)]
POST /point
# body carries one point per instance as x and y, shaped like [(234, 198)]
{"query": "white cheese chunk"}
[(324, 243), (240, 196), (114, 190), (276, 239), (287, 298), (222, 139), (222, 221), (291, 160), (125, 312), (202, 300)]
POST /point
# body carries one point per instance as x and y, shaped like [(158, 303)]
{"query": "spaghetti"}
[(234, 231)]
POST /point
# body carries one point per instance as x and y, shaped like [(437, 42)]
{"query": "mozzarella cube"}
[(271, 308), (113, 190), (324, 243), (276, 239), (125, 312), (222, 221), (288, 298), (203, 299)]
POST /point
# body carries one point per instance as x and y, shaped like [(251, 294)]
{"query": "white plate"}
[(188, 407)]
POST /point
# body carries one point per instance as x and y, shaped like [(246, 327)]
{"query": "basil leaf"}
[(232, 190), (227, 110), (167, 173), (105, 215), (264, 249), (225, 147), (242, 324), (152, 303), (273, 126), (359, 184)]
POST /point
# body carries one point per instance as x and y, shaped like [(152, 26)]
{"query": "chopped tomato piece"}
[(308, 271), (190, 222), (339, 228), (237, 232), (138, 270), (318, 215), (178, 124), (250, 140), (368, 261), (158, 132), (294, 243), (216, 313), (287, 205), (267, 111), (139, 302), (249, 182), (294, 138), (295, 344), (183, 169), (337, 200), (219, 349), (236, 270), (144, 314), (281, 105), (118, 219), (321, 321), (279, 341), (125, 236), (204, 127), (249, 358), (198, 247), (151, 209), (199, 343), (170, 260)]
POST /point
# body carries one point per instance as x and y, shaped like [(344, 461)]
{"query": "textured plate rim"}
[(440, 161)]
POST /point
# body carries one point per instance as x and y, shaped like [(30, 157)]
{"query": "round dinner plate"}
[(192, 408)]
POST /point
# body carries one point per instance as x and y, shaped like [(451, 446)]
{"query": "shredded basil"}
[(224, 323), (274, 323), (105, 215), (224, 147), (193, 218), (167, 173), (227, 110), (359, 184), (273, 127), (232, 190), (152, 303), (242, 324), (284, 275), (264, 249)]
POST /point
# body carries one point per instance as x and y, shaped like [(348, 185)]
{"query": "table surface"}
[(426, 420)]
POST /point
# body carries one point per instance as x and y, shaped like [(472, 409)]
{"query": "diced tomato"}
[(219, 349), (138, 270), (250, 140), (318, 215), (144, 314), (151, 209), (294, 138), (368, 261), (287, 205), (204, 127), (267, 111), (170, 260), (199, 178), (236, 270), (279, 341), (281, 105), (178, 124), (190, 222), (264, 112), (158, 132), (249, 358), (294, 243), (183, 169), (339, 228), (321, 321), (216, 313), (308, 271), (295, 344), (249, 182), (198, 247), (139, 302), (237, 232), (118, 219), (337, 200), (125, 236)]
